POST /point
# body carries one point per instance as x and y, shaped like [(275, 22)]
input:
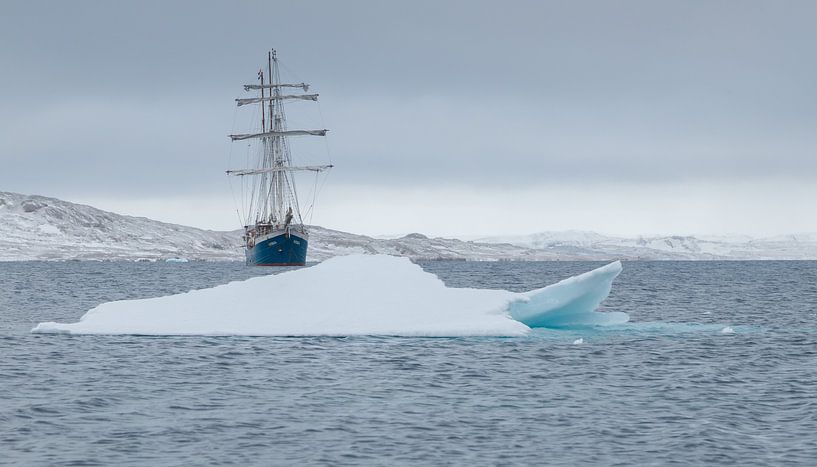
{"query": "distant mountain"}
[(40, 228), (590, 244), (325, 243)]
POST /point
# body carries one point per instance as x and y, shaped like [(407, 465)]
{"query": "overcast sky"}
[(448, 118)]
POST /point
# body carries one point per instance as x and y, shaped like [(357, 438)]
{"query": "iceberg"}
[(571, 303), (354, 295)]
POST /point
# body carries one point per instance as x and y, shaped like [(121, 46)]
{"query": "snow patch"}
[(49, 229), (350, 295)]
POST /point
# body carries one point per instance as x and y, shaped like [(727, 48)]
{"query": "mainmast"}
[(264, 178), (279, 178), (261, 77)]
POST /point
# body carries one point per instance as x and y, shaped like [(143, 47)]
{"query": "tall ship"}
[(274, 230)]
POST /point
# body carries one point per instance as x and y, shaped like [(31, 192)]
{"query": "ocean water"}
[(670, 387)]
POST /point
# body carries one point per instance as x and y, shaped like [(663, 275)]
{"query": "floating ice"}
[(353, 295), (571, 303), (727, 330), (578, 341), (176, 260)]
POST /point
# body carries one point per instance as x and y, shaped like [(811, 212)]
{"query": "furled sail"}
[(311, 168), (250, 87), (254, 100), (279, 133)]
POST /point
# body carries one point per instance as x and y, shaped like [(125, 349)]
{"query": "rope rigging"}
[(269, 187)]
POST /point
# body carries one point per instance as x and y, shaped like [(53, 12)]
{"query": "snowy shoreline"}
[(36, 228)]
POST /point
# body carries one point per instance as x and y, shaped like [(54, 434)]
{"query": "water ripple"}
[(669, 388)]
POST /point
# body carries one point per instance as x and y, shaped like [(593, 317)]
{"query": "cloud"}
[(134, 100)]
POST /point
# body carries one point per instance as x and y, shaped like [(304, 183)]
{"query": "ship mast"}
[(261, 77), (277, 118), (262, 197)]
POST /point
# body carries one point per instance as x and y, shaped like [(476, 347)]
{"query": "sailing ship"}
[(274, 231)]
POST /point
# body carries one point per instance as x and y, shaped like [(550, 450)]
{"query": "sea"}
[(718, 365)]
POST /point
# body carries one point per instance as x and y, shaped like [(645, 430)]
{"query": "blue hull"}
[(279, 250)]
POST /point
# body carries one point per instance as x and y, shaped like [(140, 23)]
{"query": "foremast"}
[(274, 203)]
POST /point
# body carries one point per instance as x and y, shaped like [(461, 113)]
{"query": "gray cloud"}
[(136, 98)]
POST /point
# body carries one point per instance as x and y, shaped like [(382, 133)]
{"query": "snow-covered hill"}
[(325, 243), (590, 244), (40, 228)]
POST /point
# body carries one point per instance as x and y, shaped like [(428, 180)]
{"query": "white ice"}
[(353, 295), (176, 260)]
